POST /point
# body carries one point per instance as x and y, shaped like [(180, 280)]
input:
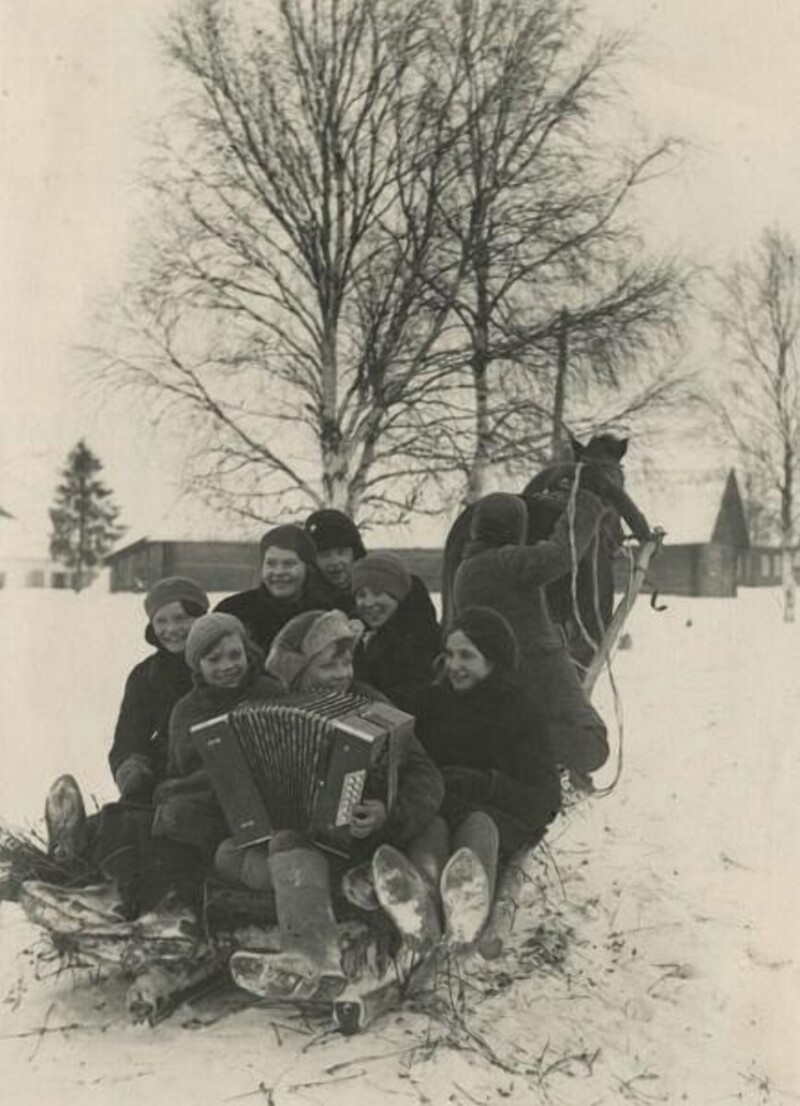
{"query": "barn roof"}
[(694, 507)]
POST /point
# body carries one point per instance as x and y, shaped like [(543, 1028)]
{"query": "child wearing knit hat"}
[(402, 637), (290, 583), (139, 752), (226, 671), (501, 784), (138, 756)]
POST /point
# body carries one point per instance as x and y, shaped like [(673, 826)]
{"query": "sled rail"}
[(641, 562)]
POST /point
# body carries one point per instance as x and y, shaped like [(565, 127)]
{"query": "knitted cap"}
[(499, 519), (290, 537), (331, 529), (206, 632), (174, 589), (491, 634), (382, 572), (304, 637)]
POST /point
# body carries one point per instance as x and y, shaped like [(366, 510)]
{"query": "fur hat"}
[(491, 634), (382, 572), (174, 589), (304, 637), (290, 537), (207, 631), (499, 519), (331, 529)]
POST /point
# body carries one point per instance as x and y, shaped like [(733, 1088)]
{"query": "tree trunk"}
[(787, 535), (335, 452), (77, 579), (476, 478), (559, 441)]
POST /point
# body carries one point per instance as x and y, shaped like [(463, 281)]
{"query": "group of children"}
[(497, 710)]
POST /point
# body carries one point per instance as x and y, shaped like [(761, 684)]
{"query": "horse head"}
[(602, 449)]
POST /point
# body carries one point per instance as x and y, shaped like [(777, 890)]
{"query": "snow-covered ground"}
[(678, 893)]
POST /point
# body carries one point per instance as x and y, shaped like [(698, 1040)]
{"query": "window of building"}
[(35, 578)]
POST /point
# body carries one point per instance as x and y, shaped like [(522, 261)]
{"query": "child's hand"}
[(368, 817)]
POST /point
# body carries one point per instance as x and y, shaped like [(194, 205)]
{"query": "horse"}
[(546, 496)]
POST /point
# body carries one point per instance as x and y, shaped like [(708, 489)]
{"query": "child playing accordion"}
[(314, 653)]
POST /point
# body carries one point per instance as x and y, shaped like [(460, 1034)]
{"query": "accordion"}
[(299, 763)]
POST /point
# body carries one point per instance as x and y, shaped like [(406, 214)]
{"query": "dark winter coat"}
[(511, 579), (152, 689), (492, 748), (187, 809), (397, 659), (420, 788), (263, 615)]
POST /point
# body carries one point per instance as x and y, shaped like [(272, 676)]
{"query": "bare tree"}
[(558, 288), (757, 398), (298, 281)]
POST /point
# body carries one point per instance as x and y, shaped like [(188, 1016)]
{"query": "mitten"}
[(135, 778)]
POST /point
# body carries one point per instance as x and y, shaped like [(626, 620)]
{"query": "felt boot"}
[(306, 922), (468, 880), (406, 897), (65, 816)]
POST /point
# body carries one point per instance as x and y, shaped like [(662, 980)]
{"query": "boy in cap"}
[(339, 545)]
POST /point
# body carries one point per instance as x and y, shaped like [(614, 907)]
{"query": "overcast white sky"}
[(80, 80)]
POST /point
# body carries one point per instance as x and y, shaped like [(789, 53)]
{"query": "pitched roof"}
[(693, 506)]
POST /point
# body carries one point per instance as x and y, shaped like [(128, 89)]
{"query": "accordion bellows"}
[(299, 763)]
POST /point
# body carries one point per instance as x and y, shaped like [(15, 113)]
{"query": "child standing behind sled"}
[(314, 652), (500, 571)]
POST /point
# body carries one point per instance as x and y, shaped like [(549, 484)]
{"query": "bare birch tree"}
[(558, 287), (757, 397), (297, 283)]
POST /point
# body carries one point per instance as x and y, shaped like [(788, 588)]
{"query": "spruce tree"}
[(84, 518)]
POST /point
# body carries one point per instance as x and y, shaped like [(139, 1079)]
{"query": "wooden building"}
[(707, 538), (216, 565), (706, 550)]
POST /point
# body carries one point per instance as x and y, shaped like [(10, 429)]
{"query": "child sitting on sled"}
[(226, 670), (402, 637), (115, 843), (314, 652), (502, 788)]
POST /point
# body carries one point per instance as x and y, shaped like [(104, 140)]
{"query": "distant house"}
[(22, 561), (707, 542), (216, 565)]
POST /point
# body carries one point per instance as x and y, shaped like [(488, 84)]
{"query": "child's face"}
[(226, 664), (330, 670), (375, 608), (171, 625), (465, 665), (336, 565), (283, 573)]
